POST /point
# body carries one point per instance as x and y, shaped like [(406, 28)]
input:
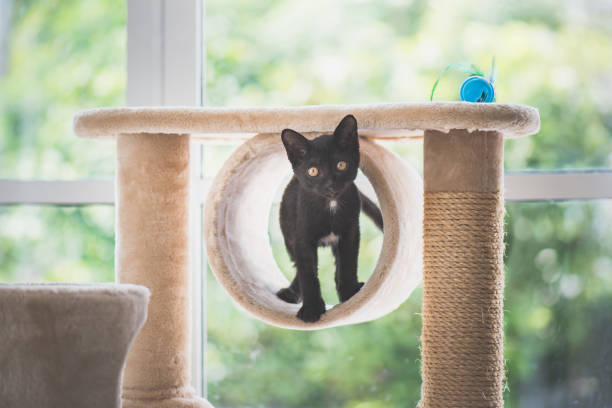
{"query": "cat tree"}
[(462, 230)]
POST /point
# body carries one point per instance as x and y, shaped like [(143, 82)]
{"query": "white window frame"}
[(165, 67)]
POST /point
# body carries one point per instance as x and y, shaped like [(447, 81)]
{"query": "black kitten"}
[(321, 206)]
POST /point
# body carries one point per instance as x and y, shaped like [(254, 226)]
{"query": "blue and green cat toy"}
[(477, 88)]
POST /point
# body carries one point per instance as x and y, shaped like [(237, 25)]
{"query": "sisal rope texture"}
[(462, 340)]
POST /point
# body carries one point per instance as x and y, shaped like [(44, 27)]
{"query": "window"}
[(558, 294), (57, 243), (552, 55), (54, 60)]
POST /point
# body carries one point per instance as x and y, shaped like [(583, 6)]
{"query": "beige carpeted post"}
[(152, 249), (462, 340)]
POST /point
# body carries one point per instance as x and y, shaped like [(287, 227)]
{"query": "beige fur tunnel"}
[(238, 247)]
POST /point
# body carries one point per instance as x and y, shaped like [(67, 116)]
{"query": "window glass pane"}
[(556, 56), (558, 338), (57, 244), (558, 319), (213, 158), (55, 59)]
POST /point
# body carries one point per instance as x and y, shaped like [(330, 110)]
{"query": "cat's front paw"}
[(346, 294), (311, 313), (288, 295)]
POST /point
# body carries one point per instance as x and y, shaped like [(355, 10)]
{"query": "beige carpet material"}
[(382, 120), (64, 345), (153, 250)]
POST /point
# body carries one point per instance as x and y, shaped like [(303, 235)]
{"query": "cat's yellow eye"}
[(313, 172), (341, 165)]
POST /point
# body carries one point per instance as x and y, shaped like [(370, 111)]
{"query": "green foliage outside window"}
[(64, 56)]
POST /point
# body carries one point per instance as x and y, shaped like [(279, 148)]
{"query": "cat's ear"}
[(296, 145), (346, 133)]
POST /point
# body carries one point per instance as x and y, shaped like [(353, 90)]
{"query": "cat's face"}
[(328, 164)]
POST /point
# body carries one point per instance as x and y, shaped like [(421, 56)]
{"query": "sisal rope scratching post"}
[(462, 340)]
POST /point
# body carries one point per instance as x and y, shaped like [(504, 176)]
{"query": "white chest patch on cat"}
[(333, 204), (330, 239)]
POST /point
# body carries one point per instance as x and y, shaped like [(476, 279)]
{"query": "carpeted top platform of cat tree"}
[(383, 120)]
